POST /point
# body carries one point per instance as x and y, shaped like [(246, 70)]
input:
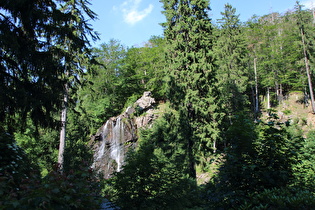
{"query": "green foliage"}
[(77, 149), (277, 152), (261, 157), (191, 74), (43, 45), (100, 97), (14, 167), (305, 170), (287, 112), (130, 102), (124, 74), (280, 198), (32, 69), (40, 145), (274, 41), (155, 175), (234, 180), (22, 186), (156, 60), (73, 190), (148, 181), (231, 51), (143, 69)]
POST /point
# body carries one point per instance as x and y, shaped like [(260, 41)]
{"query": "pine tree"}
[(43, 46), (232, 53), (74, 58), (275, 50), (292, 76), (32, 67), (192, 82)]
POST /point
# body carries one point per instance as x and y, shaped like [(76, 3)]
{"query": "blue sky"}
[(133, 22)]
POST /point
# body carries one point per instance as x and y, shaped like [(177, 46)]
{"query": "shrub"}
[(73, 190), (281, 198)]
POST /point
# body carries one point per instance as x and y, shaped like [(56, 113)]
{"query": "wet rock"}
[(120, 134)]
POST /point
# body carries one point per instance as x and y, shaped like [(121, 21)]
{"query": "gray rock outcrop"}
[(146, 101), (119, 134)]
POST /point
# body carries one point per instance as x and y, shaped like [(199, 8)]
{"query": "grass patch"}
[(287, 112)]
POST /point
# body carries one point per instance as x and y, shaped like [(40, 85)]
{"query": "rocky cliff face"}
[(113, 140)]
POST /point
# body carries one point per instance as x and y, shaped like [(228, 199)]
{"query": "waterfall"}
[(105, 133), (117, 150), (119, 134), (111, 147)]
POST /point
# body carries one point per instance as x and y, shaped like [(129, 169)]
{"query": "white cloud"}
[(131, 12), (308, 4)]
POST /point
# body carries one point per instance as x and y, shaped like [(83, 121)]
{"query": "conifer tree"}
[(74, 59), (191, 79), (231, 51), (32, 67), (42, 48)]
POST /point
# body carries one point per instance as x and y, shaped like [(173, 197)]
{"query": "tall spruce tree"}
[(73, 62), (191, 80), (231, 51), (32, 67), (42, 47)]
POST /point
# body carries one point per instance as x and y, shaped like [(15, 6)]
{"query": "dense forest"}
[(221, 83)]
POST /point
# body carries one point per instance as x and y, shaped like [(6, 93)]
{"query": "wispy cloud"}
[(308, 3), (131, 12)]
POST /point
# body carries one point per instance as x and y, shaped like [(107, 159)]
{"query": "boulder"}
[(145, 102)]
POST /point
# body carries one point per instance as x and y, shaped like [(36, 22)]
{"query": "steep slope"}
[(296, 110)]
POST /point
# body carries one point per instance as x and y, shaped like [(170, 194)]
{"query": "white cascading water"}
[(104, 135), (117, 152), (112, 143)]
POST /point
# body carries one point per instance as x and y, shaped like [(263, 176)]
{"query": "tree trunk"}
[(307, 67), (62, 143), (268, 98), (256, 89), (280, 99), (277, 91), (192, 163)]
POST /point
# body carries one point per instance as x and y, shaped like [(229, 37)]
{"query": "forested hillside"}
[(236, 130)]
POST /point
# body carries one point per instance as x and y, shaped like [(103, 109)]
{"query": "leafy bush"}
[(14, 167), (148, 182), (305, 169), (154, 176), (281, 198), (287, 112), (22, 187), (261, 157), (40, 146), (74, 190)]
